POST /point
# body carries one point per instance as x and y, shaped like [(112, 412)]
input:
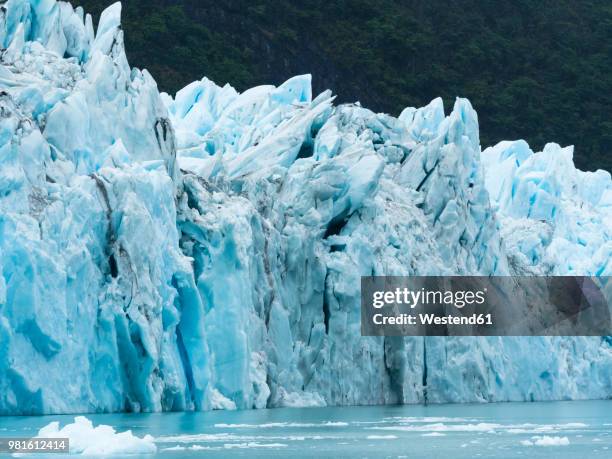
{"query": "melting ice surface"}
[(204, 251), (509, 430)]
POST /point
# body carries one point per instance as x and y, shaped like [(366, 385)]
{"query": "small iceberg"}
[(88, 440), (546, 441)]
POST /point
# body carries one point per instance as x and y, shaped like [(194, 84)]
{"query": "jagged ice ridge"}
[(205, 251)]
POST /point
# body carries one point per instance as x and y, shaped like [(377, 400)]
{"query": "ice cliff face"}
[(204, 252)]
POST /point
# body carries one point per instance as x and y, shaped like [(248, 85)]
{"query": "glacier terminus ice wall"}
[(205, 251)]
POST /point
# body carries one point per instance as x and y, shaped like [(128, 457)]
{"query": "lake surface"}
[(509, 430)]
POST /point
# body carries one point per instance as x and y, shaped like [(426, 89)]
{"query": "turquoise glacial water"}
[(510, 430)]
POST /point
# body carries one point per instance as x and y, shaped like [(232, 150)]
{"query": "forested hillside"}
[(534, 69)]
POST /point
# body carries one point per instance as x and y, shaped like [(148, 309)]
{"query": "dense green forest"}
[(534, 69)]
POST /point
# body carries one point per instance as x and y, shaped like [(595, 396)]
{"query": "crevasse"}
[(204, 251)]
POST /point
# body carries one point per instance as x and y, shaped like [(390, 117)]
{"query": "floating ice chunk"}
[(251, 445), (546, 441), (88, 440), (441, 427), (271, 425)]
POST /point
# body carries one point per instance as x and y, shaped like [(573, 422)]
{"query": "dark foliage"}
[(534, 69)]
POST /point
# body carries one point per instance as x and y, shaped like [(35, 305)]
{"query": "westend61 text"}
[(432, 319)]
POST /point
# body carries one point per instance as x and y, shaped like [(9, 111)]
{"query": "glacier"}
[(204, 251)]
